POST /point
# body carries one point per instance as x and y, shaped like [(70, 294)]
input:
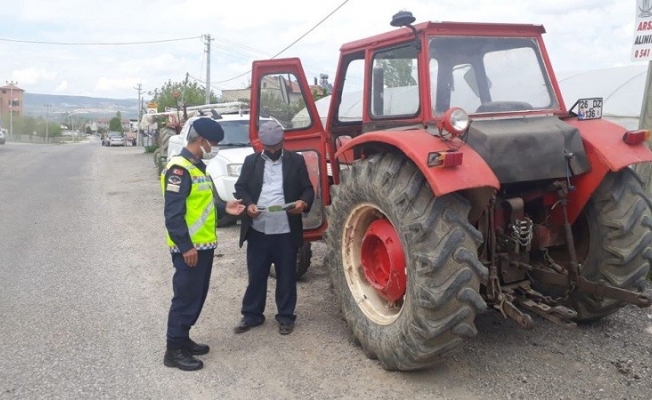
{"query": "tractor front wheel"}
[(403, 263), (304, 255)]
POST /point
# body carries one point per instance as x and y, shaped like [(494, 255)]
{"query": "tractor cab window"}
[(395, 82), (350, 107), (488, 75), (281, 99)]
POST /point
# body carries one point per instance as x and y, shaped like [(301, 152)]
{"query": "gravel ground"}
[(85, 284)]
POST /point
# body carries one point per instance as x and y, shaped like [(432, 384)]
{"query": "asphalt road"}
[(85, 284)]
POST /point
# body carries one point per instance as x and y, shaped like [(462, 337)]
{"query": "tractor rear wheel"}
[(616, 226), (403, 263), (166, 134)]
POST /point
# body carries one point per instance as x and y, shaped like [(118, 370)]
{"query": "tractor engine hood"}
[(529, 149)]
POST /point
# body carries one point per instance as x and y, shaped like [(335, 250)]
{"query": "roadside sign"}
[(642, 44), (152, 107)]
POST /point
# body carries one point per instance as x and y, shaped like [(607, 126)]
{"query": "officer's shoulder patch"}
[(175, 180), (173, 188), (177, 171)]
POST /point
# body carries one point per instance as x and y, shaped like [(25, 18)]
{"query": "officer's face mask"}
[(209, 153)]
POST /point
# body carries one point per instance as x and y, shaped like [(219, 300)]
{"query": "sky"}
[(581, 35)]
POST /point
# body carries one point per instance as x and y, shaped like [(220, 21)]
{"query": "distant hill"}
[(82, 106)]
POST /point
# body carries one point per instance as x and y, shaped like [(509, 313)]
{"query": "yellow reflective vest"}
[(201, 217)]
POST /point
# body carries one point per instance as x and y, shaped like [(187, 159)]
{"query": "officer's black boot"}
[(197, 349), (182, 359)]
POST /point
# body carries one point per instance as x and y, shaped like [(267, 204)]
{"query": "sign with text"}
[(152, 107), (642, 48), (589, 108)]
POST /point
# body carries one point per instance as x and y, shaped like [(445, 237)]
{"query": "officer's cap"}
[(208, 129)]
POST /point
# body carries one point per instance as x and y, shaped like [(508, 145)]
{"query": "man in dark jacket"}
[(275, 189)]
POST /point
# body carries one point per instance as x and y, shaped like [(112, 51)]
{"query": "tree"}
[(26, 125), (275, 107), (398, 72), (115, 124), (188, 93)]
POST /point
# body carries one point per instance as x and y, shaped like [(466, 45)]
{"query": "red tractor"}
[(450, 176)]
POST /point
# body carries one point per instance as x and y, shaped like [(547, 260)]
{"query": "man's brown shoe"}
[(285, 329), (244, 326)]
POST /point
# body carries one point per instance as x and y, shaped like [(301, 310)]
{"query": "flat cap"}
[(208, 129), (271, 133)]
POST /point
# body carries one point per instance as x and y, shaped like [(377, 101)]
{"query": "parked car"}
[(3, 136), (115, 139), (224, 169)]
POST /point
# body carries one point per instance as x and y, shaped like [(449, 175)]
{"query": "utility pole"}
[(47, 120), (138, 139), (11, 107), (208, 39), (644, 170), (645, 121)]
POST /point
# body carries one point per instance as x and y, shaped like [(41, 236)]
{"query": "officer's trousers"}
[(262, 251), (190, 286)]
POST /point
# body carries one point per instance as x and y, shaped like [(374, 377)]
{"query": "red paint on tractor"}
[(417, 144), (383, 260), (606, 150)]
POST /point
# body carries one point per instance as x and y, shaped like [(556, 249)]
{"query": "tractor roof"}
[(446, 28)]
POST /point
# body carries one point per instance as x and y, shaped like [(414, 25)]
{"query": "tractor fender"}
[(606, 139), (416, 144), (606, 151)]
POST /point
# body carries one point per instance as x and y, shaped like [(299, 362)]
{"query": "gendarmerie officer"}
[(190, 220)]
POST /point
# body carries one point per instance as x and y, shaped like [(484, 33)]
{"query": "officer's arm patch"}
[(175, 177), (172, 188)]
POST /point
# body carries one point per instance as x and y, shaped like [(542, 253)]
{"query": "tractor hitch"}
[(583, 285)]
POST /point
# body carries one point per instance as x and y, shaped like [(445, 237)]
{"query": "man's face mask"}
[(208, 151), (275, 155)]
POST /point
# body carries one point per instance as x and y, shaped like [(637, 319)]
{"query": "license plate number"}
[(589, 108)]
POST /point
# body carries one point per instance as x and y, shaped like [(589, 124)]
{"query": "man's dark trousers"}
[(190, 285), (262, 251)]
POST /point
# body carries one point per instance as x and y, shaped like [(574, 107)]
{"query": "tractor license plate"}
[(589, 108)]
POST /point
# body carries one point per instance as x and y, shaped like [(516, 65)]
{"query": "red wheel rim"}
[(383, 260)]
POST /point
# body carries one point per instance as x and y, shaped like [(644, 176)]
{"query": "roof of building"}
[(12, 87)]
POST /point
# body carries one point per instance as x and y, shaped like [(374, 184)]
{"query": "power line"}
[(98, 43), (293, 43), (194, 78)]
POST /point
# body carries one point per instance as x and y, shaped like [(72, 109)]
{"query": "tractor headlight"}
[(456, 121)]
